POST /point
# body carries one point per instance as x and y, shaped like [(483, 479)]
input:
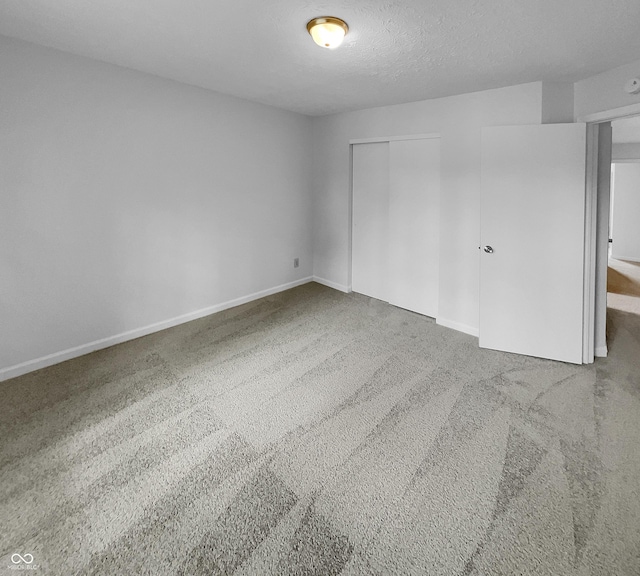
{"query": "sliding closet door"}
[(370, 219), (414, 216)]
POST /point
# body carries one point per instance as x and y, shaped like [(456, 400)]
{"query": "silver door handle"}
[(488, 249)]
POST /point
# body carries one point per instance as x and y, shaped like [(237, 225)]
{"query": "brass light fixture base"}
[(325, 23)]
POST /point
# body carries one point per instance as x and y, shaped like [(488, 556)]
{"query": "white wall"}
[(625, 151), (626, 212), (127, 200), (557, 102), (605, 91), (459, 120)]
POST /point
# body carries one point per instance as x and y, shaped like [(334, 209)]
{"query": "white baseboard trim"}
[(601, 352), (331, 284), (458, 326), (57, 357), (627, 258)]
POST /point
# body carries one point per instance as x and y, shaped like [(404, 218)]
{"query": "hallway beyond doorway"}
[(623, 286)]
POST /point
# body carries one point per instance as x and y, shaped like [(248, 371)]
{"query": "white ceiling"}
[(626, 131), (397, 50)]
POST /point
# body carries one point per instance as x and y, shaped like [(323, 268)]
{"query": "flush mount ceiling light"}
[(327, 31)]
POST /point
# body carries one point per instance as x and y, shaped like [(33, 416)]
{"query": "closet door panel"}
[(369, 251), (414, 215)]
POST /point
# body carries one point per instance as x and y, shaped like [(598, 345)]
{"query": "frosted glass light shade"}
[(328, 32)]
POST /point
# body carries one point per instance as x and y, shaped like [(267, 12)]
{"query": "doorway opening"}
[(623, 273), (613, 256)]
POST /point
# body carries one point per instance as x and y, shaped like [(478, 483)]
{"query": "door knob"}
[(488, 249)]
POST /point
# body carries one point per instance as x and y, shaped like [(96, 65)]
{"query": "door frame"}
[(591, 291)]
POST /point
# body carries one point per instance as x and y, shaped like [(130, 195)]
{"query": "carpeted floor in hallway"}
[(319, 433), (623, 286)]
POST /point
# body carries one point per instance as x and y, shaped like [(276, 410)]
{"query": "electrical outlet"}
[(296, 262)]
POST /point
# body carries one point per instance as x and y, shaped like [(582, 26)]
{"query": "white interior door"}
[(414, 216), (533, 218), (369, 251)]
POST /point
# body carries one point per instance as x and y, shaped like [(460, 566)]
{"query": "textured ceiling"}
[(397, 50), (627, 130)]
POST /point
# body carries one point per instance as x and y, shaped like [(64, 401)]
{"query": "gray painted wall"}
[(128, 200)]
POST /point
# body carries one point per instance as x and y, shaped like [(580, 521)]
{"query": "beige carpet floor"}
[(319, 433), (623, 286)]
